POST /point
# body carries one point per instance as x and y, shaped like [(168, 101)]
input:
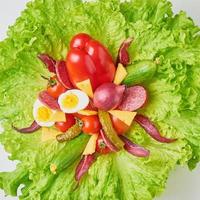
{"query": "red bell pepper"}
[(89, 59)]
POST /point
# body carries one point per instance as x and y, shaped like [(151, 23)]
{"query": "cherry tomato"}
[(55, 88), (64, 126), (91, 124), (101, 146), (119, 126)]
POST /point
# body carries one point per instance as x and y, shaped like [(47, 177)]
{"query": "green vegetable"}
[(174, 106), (140, 72), (109, 131), (71, 133)]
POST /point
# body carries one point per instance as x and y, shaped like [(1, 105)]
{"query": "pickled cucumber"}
[(110, 132)]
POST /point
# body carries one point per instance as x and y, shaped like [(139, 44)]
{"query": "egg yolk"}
[(43, 114), (70, 101)]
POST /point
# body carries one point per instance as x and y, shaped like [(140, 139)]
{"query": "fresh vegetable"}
[(55, 88), (31, 129), (86, 87), (108, 96), (91, 145), (91, 124), (123, 55), (49, 62), (62, 74), (139, 72), (109, 131), (119, 125), (73, 101), (71, 133), (64, 126), (134, 149), (48, 100), (42, 114), (125, 116), (89, 59), (101, 146), (120, 74), (173, 104), (107, 142), (84, 166), (149, 127), (134, 98)]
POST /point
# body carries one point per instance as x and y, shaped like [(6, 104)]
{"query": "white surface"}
[(182, 184)]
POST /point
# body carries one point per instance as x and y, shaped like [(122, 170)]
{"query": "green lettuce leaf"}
[(47, 27)]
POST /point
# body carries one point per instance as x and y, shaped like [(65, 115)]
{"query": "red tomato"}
[(89, 59), (64, 126), (119, 126), (55, 88), (101, 146), (91, 124)]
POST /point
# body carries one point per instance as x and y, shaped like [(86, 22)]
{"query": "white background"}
[(182, 184)]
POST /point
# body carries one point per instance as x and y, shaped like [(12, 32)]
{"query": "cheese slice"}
[(120, 74), (49, 134), (125, 116), (87, 112), (58, 116), (86, 87), (91, 145)]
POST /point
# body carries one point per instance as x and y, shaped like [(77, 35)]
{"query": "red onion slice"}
[(108, 96), (108, 143), (83, 166), (48, 100), (149, 127), (62, 74), (134, 98), (48, 61), (134, 149), (31, 129), (123, 55)]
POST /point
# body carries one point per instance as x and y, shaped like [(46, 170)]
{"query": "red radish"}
[(83, 166), (62, 74), (134, 98), (134, 149), (48, 61), (108, 96), (123, 55), (149, 127), (108, 143), (32, 128), (48, 100)]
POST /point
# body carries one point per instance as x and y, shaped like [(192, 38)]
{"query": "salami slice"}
[(62, 74), (49, 62), (135, 97), (48, 100)]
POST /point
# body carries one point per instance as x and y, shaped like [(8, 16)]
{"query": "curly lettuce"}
[(47, 27)]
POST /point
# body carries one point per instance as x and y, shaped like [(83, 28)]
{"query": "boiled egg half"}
[(73, 101), (43, 114)]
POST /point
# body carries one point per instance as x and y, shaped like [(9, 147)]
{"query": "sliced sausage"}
[(135, 97)]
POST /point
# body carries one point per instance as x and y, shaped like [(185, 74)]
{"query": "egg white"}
[(36, 106), (83, 101)]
